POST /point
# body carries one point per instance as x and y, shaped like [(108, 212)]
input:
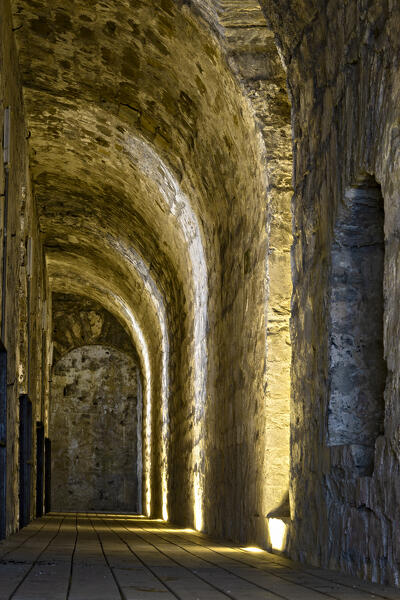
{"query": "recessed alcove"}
[(357, 366)]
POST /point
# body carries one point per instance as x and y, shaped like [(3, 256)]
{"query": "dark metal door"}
[(47, 470), (39, 468), (3, 440), (25, 459)]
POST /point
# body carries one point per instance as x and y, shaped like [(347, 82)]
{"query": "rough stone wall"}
[(25, 285), (89, 116), (254, 59), (357, 366), (93, 427), (343, 77)]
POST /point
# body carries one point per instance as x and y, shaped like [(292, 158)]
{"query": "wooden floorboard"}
[(326, 582), (49, 577), (263, 580), (198, 571), (16, 540), (91, 577), (19, 559), (135, 578), (121, 557), (171, 577)]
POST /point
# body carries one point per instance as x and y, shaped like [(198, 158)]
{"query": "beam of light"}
[(253, 549), (176, 531), (198, 495), (191, 229), (278, 533), (141, 343)]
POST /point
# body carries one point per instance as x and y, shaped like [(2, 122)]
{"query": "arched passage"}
[(169, 179), (146, 164), (68, 278), (95, 422), (161, 180)]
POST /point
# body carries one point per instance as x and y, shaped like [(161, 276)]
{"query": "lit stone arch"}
[(250, 47), (92, 286), (179, 215), (136, 268), (180, 208)]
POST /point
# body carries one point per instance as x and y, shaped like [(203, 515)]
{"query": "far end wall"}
[(93, 427)]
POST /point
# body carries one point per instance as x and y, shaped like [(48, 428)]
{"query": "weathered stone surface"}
[(161, 164), (78, 321), (357, 366), (94, 427), (24, 292), (125, 102), (342, 67), (254, 58)]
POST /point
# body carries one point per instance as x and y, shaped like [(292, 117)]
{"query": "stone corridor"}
[(199, 298), (96, 556)]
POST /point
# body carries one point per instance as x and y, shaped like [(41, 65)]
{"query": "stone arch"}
[(67, 277), (188, 132), (78, 321)]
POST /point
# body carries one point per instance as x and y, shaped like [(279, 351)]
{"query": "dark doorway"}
[(25, 459), (3, 440), (39, 468), (47, 476)]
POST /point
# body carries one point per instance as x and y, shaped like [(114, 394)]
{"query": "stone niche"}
[(357, 365), (95, 412)]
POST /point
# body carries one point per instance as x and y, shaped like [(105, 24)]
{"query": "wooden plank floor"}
[(120, 557)]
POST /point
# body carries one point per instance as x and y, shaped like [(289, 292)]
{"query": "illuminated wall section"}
[(179, 206), (141, 268), (121, 251), (141, 345)]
